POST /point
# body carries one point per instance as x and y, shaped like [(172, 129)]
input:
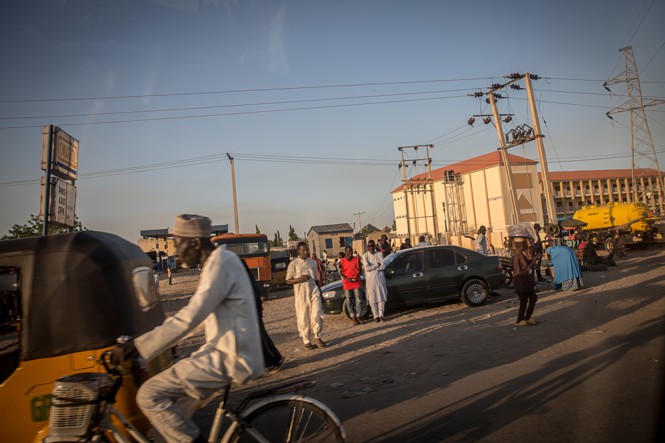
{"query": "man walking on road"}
[(302, 274)]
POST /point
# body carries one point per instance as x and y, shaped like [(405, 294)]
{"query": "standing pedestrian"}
[(384, 246), (302, 274), (406, 244), (421, 242), (375, 281), (155, 276), (169, 273), (480, 241), (321, 271), (524, 285), (619, 247), (538, 251), (351, 282), (272, 358)]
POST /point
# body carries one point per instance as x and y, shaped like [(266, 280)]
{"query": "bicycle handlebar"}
[(116, 370)]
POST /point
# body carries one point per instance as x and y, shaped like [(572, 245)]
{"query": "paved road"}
[(591, 371)]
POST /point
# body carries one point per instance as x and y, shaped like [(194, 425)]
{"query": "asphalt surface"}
[(591, 371)]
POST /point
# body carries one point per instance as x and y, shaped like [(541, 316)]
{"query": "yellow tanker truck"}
[(635, 222)]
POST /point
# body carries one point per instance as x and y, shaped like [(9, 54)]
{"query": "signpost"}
[(60, 153)]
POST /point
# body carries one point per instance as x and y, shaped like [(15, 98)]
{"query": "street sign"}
[(62, 199), (64, 153)]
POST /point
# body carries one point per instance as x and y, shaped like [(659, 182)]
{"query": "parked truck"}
[(254, 249), (634, 221)]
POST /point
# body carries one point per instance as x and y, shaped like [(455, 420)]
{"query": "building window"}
[(329, 243)]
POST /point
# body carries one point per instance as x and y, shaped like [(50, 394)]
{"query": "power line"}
[(225, 114), (236, 105), (235, 91), (364, 162), (641, 21)]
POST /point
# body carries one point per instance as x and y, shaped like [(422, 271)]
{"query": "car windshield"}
[(391, 258)]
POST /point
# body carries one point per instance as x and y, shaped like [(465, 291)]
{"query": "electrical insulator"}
[(534, 77), (516, 87)]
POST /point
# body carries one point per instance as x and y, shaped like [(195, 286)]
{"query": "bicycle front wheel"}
[(297, 419)]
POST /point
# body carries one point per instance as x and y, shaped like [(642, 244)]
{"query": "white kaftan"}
[(307, 297), (375, 282)]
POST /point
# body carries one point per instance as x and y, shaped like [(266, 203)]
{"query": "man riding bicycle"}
[(224, 303)]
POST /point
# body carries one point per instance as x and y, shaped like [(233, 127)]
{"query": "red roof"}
[(473, 164)]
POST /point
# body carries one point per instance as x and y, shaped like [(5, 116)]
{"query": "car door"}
[(444, 274), (406, 280)]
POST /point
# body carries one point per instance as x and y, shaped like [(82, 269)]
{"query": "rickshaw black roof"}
[(77, 291)]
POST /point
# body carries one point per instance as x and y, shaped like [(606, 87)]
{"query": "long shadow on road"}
[(467, 374)]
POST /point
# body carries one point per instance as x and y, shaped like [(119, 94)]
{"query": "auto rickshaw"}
[(67, 299)]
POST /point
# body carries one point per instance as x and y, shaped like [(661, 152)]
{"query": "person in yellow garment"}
[(224, 303), (302, 273)]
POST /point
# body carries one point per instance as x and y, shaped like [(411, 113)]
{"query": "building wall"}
[(317, 242), (486, 199)]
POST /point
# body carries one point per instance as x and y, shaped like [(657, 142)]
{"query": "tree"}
[(278, 240), (34, 228), (258, 231), (292, 234)]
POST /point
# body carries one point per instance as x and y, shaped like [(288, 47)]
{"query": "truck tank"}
[(615, 215)]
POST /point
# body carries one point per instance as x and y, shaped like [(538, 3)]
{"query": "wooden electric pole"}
[(235, 201)]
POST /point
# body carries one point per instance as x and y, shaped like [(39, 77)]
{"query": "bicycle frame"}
[(107, 423)]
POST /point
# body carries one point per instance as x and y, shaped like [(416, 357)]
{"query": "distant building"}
[(332, 238), (457, 199), (576, 189), (159, 244)]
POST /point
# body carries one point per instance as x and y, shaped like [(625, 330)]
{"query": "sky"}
[(310, 98)]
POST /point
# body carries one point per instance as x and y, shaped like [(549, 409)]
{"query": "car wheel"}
[(475, 292), (364, 309), (508, 277)]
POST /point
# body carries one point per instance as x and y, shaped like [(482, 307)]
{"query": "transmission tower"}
[(644, 161)]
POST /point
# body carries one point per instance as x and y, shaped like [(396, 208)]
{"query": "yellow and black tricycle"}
[(64, 299)]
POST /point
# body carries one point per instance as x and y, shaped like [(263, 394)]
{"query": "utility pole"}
[(518, 136), (359, 214), (235, 201), (427, 187), (544, 170), (642, 149), (504, 156)]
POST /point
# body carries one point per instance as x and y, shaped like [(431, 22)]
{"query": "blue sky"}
[(312, 98)]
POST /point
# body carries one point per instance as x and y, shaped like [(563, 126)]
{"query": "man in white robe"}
[(375, 281), (302, 274), (224, 303)]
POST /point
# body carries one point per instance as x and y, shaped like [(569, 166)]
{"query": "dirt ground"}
[(592, 370)]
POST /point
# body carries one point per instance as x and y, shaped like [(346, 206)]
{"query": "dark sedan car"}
[(429, 275)]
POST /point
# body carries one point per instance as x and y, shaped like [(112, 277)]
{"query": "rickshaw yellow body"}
[(74, 295)]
